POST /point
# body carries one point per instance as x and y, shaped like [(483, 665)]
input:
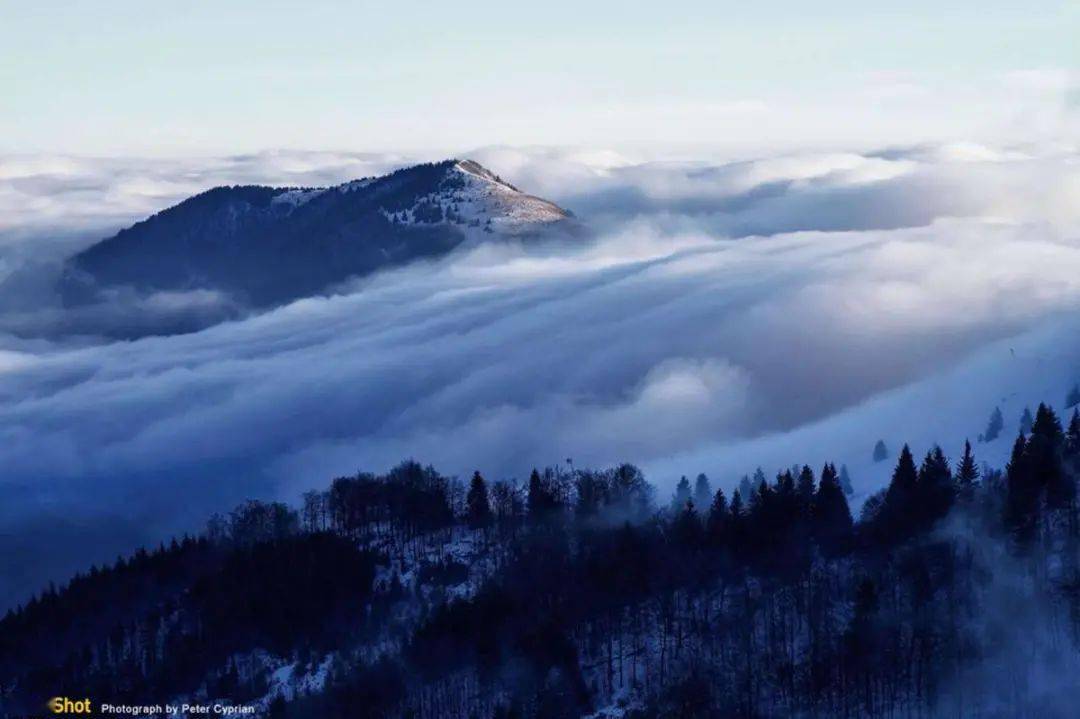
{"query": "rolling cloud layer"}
[(723, 315)]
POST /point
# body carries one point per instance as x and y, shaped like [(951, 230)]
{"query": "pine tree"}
[(902, 494), (540, 501), (936, 491), (785, 506), (1070, 452), (905, 478), (1026, 421), (1021, 498), (736, 505), (831, 515), (967, 474), (681, 496), (718, 516), (845, 481), (760, 501), (785, 486), (477, 504), (1073, 398), (994, 426), (687, 525), (805, 490), (702, 491), (881, 452), (1045, 452), (746, 489), (1047, 425), (1072, 437), (736, 522)]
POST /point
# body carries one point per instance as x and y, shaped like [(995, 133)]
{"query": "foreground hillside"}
[(956, 593)]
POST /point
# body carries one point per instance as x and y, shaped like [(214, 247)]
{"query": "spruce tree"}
[(478, 507), (1072, 436), (746, 489), (760, 502), (1045, 452), (881, 452), (759, 477), (736, 506), (902, 494), (1021, 493), (967, 474), (540, 500), (681, 496), (1070, 453), (1073, 398), (994, 426), (718, 516), (935, 491), (687, 526), (533, 500), (1026, 421), (785, 486), (702, 491), (831, 515), (736, 531), (1047, 425), (805, 490), (845, 481)]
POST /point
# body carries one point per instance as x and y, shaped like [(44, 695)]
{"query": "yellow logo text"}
[(63, 705)]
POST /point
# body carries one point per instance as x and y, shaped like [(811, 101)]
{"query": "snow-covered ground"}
[(484, 202), (297, 197), (1039, 365), (511, 210)]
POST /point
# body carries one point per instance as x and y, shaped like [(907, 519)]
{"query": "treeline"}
[(578, 590), (169, 621), (781, 605)]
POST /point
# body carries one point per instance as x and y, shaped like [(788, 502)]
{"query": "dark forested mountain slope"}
[(269, 245), (956, 593)]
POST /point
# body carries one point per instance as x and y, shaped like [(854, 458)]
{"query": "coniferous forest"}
[(954, 592)]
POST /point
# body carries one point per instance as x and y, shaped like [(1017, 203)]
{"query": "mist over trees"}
[(955, 592), (1073, 397)]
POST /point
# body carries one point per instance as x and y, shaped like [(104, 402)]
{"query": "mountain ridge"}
[(269, 245)]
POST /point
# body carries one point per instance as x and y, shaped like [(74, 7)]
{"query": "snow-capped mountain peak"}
[(268, 245), (471, 167), (471, 196)]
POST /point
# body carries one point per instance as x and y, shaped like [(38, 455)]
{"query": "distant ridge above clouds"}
[(268, 245)]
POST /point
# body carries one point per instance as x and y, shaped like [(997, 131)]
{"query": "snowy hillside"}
[(475, 198), (1012, 374)]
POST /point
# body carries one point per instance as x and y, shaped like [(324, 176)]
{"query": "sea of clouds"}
[(719, 315)]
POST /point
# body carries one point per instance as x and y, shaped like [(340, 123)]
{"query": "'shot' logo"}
[(64, 705)]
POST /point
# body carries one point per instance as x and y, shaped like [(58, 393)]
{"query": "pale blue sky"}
[(194, 77)]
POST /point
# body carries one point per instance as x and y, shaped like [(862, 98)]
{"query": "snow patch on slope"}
[(297, 197), (473, 197), (511, 208)]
